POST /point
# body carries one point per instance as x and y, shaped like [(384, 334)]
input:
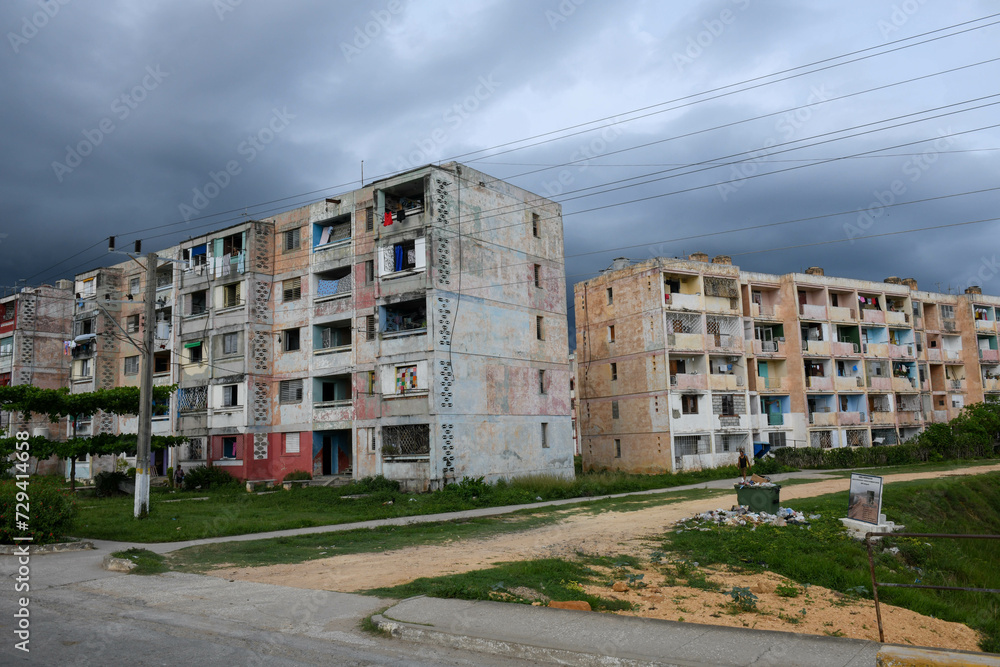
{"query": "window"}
[(947, 312), (134, 285), (370, 219), (406, 440), (194, 351), (689, 404), (291, 443), (7, 346), (776, 439), (334, 283), (290, 391), (293, 239), (230, 344), (7, 311), (371, 383), (161, 362), (82, 368), (198, 302), (614, 410), (334, 230), (132, 324), (84, 327), (85, 288), (333, 335), (614, 371), (618, 448), (405, 316), (728, 407), (539, 327), (231, 296), (536, 222), (541, 382), (370, 327), (291, 289), (199, 255), (290, 340), (611, 296), (229, 447), (230, 245), (538, 275), (611, 333), (403, 256), (369, 271), (406, 379), (231, 396), (545, 435)]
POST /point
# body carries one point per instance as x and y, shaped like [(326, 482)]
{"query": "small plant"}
[(698, 580), (296, 475), (204, 477), (376, 484), (656, 556), (743, 598), (635, 581), (787, 591), (857, 592)]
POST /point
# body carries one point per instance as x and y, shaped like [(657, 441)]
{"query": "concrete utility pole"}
[(146, 394)]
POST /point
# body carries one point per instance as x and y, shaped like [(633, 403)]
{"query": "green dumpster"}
[(759, 498)]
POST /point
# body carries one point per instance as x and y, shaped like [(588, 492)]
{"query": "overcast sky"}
[(115, 115)]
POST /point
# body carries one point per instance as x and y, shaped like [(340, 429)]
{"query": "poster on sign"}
[(865, 503)]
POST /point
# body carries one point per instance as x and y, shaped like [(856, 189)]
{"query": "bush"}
[(469, 488), (204, 477), (297, 474), (377, 484), (131, 473), (106, 484), (769, 466), (50, 512)]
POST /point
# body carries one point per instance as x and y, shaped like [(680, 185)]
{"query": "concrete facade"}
[(323, 339), (681, 362), (35, 323)]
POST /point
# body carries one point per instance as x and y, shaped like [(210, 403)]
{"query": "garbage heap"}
[(741, 516)]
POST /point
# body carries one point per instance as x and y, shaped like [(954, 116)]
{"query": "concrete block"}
[(907, 656)]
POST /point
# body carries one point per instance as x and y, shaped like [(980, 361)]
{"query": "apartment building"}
[(684, 361), (35, 326), (414, 328)]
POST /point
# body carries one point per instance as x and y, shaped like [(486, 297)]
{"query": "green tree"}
[(57, 404)]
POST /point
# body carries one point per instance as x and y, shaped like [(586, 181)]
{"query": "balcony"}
[(839, 314), (989, 356), (896, 317), (909, 418), (900, 351), (770, 383), (810, 312), (723, 342), (685, 341), (818, 382), (851, 418), (991, 384), (688, 381), (903, 384), (764, 312), (875, 349), (677, 301), (952, 355), (823, 418), (775, 419), (939, 416), (848, 382), (873, 316), (948, 325), (880, 383), (883, 417), (769, 347), (722, 304), (933, 354), (956, 385), (985, 325), (820, 347), (725, 382), (845, 349)]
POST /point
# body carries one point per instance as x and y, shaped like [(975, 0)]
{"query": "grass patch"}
[(368, 625), (554, 578), (146, 562), (824, 555)]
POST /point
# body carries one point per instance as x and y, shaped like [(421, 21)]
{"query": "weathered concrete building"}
[(682, 362), (35, 325), (414, 328)]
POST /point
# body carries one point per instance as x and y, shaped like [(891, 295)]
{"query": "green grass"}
[(824, 555), (302, 548), (553, 578), (146, 561), (915, 467)]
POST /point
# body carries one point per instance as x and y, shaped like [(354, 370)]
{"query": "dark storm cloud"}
[(274, 100)]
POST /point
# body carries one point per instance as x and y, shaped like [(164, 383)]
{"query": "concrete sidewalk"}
[(589, 638)]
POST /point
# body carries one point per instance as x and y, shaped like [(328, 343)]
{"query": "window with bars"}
[(132, 365), (536, 225), (370, 327), (615, 414), (690, 445), (540, 327), (290, 391), (291, 443), (727, 406), (541, 381), (370, 219), (683, 323), (192, 399), (291, 289), (614, 370), (730, 442), (724, 287), (821, 439), (538, 275), (611, 296), (293, 239), (777, 439), (406, 440)]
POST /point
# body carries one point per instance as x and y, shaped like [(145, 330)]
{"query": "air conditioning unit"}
[(677, 414), (739, 380), (864, 348)]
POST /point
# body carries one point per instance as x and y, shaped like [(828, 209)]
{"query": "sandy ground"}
[(607, 533)]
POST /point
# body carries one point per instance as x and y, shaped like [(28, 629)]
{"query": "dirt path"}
[(605, 533)]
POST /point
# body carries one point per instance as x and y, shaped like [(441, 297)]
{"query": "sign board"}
[(865, 503)]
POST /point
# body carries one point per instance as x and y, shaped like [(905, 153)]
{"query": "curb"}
[(38, 549), (906, 656), (508, 649)]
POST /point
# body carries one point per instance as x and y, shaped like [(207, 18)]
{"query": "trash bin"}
[(759, 498)]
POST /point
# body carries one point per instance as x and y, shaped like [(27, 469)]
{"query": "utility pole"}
[(146, 394)]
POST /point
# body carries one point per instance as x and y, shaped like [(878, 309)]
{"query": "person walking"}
[(744, 464), (179, 477)]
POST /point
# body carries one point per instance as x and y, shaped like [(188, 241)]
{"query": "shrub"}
[(469, 488), (297, 474), (769, 466), (204, 477), (50, 512), (106, 484), (377, 484)]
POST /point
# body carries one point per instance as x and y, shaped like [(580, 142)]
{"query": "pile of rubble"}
[(741, 516), (756, 481)]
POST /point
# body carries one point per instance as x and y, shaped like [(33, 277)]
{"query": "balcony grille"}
[(407, 440)]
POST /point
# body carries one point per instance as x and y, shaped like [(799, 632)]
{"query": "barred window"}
[(406, 440), (290, 391), (369, 219), (192, 399), (370, 327)]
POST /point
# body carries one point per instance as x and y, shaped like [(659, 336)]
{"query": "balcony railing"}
[(775, 419)]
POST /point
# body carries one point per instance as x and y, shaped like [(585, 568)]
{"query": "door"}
[(327, 454)]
